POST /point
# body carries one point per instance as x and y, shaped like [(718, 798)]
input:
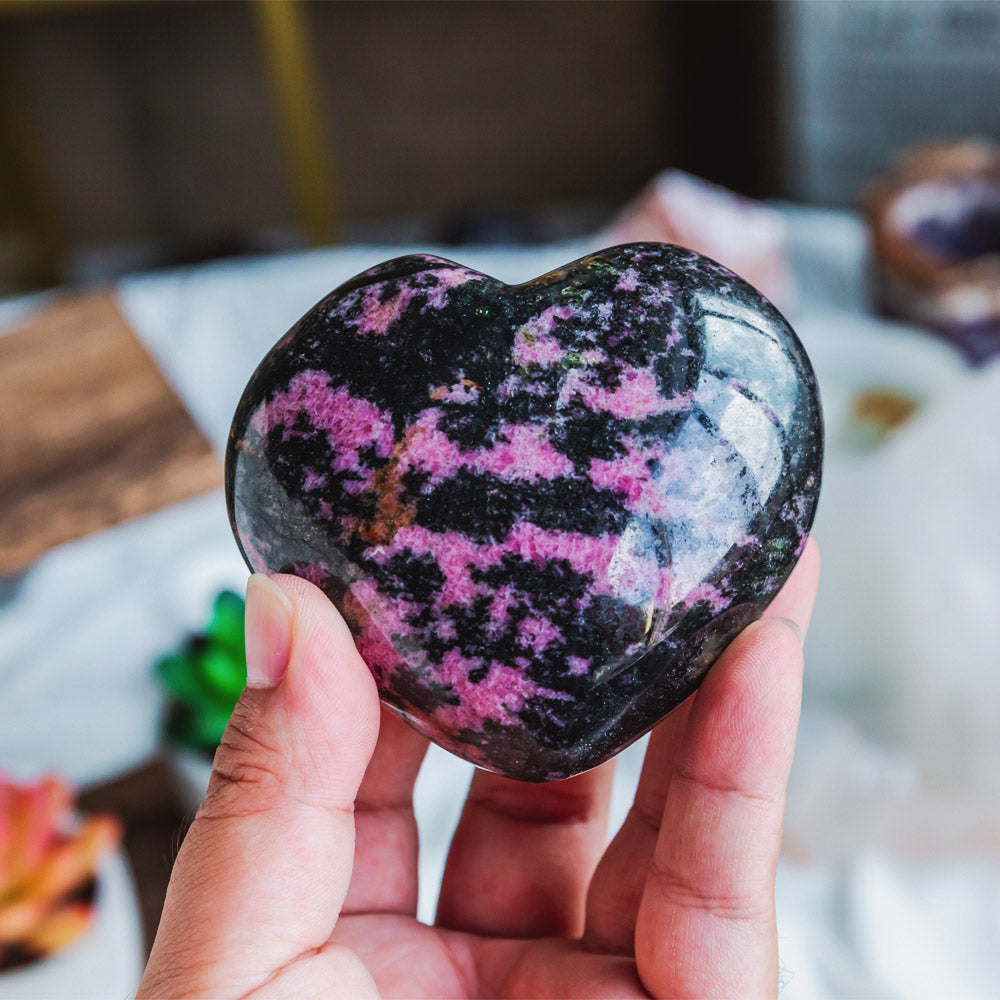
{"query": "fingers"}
[(615, 893), (265, 867), (385, 855), (706, 923), (618, 883), (523, 854)]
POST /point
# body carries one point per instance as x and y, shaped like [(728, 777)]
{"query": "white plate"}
[(854, 353), (106, 962)]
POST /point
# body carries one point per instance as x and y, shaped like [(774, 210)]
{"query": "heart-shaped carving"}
[(544, 509)]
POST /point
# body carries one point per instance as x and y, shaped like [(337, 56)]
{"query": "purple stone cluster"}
[(544, 509)]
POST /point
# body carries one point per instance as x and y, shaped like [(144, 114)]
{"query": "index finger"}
[(706, 922)]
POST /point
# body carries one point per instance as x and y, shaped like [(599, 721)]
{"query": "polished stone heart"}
[(544, 509)]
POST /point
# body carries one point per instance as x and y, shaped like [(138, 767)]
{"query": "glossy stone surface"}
[(543, 509)]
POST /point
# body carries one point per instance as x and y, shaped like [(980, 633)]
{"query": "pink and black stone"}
[(544, 509)]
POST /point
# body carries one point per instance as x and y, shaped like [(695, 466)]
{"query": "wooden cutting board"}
[(91, 434)]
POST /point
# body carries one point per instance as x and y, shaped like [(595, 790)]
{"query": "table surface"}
[(91, 433)]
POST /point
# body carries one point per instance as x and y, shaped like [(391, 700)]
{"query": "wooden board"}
[(91, 434)]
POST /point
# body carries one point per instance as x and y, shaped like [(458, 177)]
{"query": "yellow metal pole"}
[(282, 32), (30, 222)]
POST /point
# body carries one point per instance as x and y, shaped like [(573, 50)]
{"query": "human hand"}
[(299, 875)]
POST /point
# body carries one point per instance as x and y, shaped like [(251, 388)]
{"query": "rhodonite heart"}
[(544, 509)]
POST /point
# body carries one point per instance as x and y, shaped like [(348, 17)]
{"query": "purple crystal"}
[(544, 509)]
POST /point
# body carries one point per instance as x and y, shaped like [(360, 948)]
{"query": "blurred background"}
[(180, 181), (134, 133), (194, 127)]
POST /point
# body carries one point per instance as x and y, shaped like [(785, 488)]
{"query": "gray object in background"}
[(861, 80)]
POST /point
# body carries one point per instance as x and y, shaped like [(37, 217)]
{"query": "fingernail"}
[(794, 626), (268, 631)]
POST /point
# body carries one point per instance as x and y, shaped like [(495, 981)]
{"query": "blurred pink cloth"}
[(746, 236)]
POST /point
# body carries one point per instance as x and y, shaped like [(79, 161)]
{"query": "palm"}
[(410, 959)]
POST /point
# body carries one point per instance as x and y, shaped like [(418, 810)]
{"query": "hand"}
[(298, 877)]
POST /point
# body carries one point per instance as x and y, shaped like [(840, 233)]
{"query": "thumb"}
[(260, 879)]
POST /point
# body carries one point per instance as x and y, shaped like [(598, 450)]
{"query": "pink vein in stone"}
[(537, 633), (375, 648), (382, 623), (444, 629), (314, 573), (351, 423), (430, 449), (447, 278), (504, 598), (598, 557), (629, 280), (542, 350), (502, 693), (378, 653), (534, 343), (312, 480), (389, 616), (498, 696), (457, 555), (377, 316), (523, 452), (636, 397), (709, 593), (586, 554), (631, 478), (666, 588)]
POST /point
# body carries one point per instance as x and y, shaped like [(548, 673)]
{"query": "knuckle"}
[(731, 791), (246, 761), (729, 903), (646, 814)]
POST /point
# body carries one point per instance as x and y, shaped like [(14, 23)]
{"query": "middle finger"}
[(523, 855)]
